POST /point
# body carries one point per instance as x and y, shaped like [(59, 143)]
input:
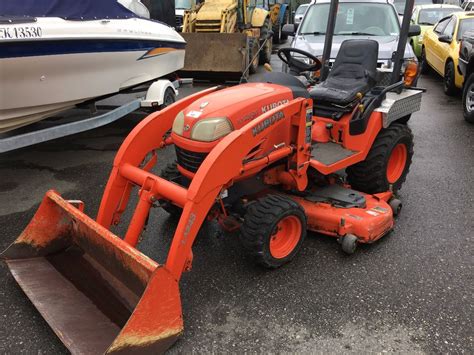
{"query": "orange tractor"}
[(265, 157)]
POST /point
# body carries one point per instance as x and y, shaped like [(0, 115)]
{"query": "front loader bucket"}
[(215, 56), (98, 294)]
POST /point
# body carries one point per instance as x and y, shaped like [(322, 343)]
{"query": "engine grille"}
[(191, 161)]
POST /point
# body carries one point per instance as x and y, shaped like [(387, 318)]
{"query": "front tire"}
[(450, 88), (274, 229), (387, 163), (468, 99)]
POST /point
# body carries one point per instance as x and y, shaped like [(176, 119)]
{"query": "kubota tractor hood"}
[(239, 106)]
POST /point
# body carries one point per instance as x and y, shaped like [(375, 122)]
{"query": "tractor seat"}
[(354, 71)]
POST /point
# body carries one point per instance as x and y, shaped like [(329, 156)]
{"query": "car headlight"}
[(178, 124), (210, 129)]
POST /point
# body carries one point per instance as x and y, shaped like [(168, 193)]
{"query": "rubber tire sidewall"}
[(468, 116), (256, 233), (373, 170), (450, 88), (169, 94)]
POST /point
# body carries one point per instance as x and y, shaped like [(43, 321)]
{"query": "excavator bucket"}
[(215, 56), (97, 293)]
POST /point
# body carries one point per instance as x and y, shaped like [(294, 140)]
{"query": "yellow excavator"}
[(224, 38)]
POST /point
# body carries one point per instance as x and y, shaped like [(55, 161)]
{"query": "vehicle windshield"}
[(465, 25), (183, 4), (365, 19), (400, 4), (432, 16), (301, 9)]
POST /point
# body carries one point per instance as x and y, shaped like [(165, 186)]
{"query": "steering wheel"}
[(285, 55)]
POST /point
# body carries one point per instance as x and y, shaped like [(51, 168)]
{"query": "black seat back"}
[(356, 59)]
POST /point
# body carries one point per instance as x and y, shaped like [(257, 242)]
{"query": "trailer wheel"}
[(171, 173), (387, 163), (169, 98), (253, 55), (273, 230), (266, 52)]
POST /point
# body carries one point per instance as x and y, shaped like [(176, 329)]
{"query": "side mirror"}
[(445, 39), (414, 30), (289, 29)]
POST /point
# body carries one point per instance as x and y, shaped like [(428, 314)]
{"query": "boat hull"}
[(42, 77)]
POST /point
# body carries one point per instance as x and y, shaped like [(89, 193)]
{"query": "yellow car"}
[(440, 49)]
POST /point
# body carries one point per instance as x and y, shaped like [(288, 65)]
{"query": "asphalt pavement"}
[(411, 292)]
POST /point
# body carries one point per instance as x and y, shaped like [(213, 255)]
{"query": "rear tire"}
[(266, 52), (450, 88), (274, 229), (387, 163), (468, 99), (424, 66)]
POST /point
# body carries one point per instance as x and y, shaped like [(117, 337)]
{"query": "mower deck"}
[(338, 211)]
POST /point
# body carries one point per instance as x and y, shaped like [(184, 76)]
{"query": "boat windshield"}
[(66, 9), (364, 19)]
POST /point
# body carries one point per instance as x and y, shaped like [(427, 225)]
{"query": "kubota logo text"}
[(268, 122), (273, 105)]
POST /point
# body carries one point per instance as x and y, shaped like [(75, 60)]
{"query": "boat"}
[(55, 54)]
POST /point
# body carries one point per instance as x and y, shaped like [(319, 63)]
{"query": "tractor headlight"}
[(210, 129), (178, 124), (420, 38)]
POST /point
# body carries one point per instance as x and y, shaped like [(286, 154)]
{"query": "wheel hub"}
[(396, 163), (286, 236)]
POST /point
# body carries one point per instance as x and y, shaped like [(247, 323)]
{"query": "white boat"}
[(52, 63)]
